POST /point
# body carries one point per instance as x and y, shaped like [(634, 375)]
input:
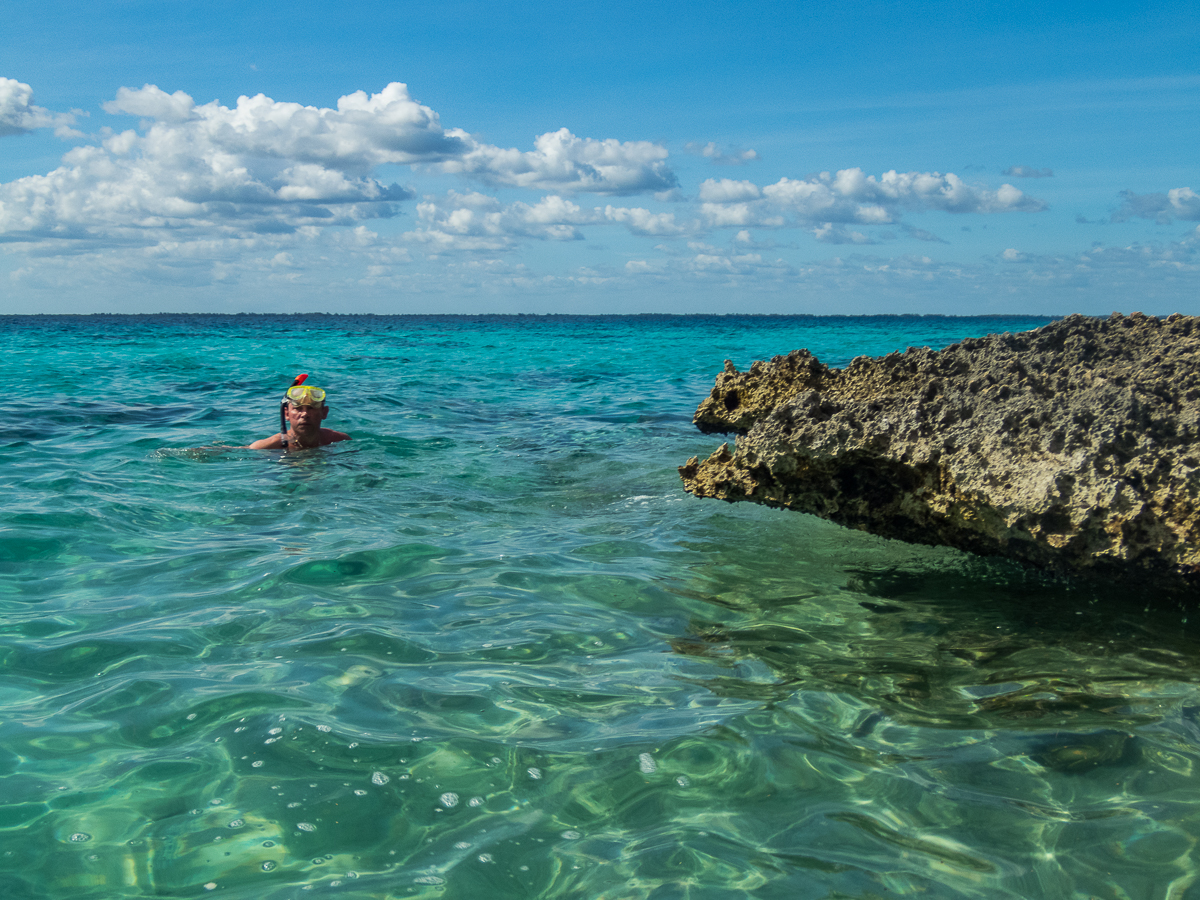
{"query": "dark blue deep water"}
[(490, 649)]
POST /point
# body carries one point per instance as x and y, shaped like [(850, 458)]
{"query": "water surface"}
[(489, 648)]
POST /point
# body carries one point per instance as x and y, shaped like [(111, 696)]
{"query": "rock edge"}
[(1074, 447)]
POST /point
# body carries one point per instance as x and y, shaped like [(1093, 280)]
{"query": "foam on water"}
[(490, 649)]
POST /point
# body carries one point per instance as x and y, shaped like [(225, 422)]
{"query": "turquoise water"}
[(490, 649)]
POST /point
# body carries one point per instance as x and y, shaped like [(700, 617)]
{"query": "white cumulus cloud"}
[(642, 221), (475, 221), (151, 102), (851, 196), (364, 131), (261, 166), (562, 162), (142, 187), (728, 191), (193, 171), (18, 114)]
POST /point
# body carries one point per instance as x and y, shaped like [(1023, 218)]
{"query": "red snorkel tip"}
[(300, 379)]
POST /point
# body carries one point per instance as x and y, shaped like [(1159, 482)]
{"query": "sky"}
[(564, 157)]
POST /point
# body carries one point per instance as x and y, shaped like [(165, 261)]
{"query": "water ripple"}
[(488, 648)]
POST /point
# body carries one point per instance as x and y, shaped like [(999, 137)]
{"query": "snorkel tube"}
[(283, 426)]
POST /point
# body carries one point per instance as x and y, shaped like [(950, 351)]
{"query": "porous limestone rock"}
[(1074, 447)]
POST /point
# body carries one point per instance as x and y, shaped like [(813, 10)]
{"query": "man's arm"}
[(274, 442)]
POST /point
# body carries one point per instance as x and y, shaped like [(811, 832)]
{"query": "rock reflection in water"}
[(1014, 734), (980, 644)]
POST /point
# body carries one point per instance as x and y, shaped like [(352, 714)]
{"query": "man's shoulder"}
[(329, 436)]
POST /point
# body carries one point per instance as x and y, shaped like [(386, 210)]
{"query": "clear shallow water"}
[(490, 649)]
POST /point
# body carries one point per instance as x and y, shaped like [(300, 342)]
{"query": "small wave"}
[(198, 454)]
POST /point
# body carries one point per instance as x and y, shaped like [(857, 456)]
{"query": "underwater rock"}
[(1084, 752), (1073, 448)]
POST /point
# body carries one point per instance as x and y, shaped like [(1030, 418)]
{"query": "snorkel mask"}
[(305, 395)]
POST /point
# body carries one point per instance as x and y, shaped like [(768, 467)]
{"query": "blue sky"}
[(579, 158)]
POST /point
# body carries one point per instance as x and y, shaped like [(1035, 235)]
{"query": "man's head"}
[(305, 408)]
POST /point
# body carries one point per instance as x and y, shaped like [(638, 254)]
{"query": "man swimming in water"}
[(303, 409)]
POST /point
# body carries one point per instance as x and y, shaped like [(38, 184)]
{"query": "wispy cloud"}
[(921, 234), (1056, 283), (829, 233), (1027, 172), (733, 157), (1177, 203)]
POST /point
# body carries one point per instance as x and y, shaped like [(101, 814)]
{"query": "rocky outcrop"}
[(1074, 447)]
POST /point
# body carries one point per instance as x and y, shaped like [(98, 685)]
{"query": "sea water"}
[(489, 648)]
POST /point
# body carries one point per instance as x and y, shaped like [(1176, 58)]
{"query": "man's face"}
[(305, 419)]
